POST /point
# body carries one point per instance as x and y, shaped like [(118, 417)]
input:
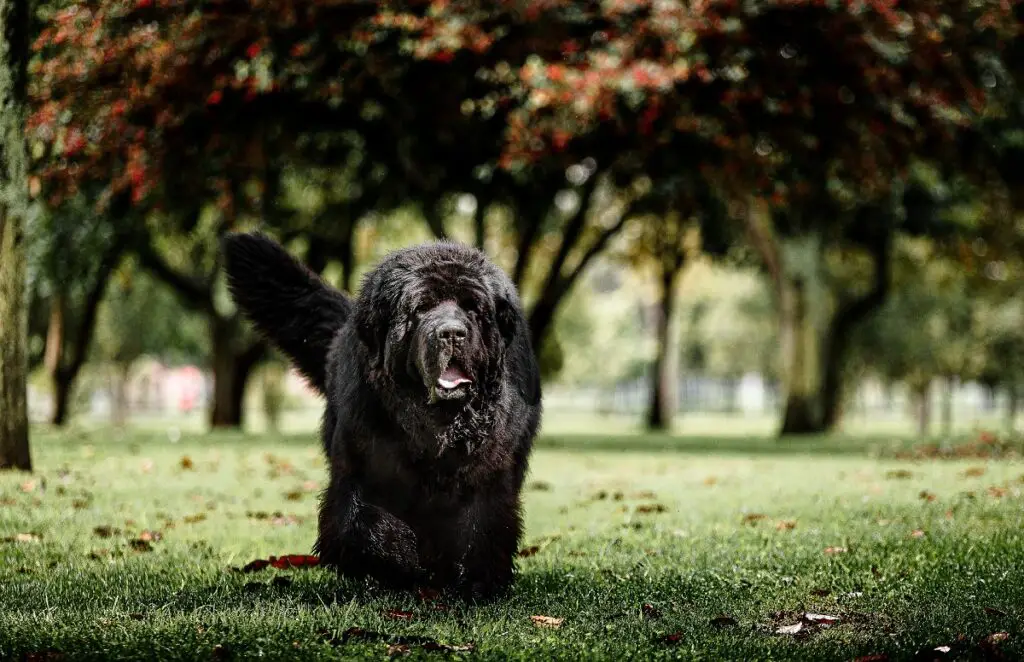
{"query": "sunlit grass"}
[(907, 555)]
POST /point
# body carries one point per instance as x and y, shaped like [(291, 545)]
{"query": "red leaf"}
[(282, 562), (215, 97), (253, 51)]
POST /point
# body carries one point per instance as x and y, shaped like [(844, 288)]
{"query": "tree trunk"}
[(662, 401), (62, 387), (14, 36), (119, 406), (923, 402), (801, 327), (231, 372), (949, 386), (1012, 405)]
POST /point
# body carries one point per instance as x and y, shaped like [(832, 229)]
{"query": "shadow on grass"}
[(654, 443)]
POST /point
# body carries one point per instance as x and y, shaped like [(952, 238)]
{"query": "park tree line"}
[(816, 140)]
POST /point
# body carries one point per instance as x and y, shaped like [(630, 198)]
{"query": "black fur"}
[(425, 477)]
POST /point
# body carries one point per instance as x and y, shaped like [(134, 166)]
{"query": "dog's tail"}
[(292, 306)]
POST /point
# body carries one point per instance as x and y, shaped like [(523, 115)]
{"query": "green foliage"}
[(141, 316)]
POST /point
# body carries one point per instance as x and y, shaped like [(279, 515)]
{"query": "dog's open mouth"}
[(452, 383)]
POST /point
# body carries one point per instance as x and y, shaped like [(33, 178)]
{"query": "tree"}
[(14, 53), (79, 253), (140, 316)]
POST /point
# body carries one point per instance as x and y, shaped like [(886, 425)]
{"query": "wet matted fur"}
[(432, 403)]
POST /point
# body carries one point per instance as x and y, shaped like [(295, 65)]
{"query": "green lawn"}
[(646, 547)]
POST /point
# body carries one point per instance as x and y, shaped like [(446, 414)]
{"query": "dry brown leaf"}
[(785, 525), (547, 621), (651, 508), (194, 519), (795, 628), (835, 550), (899, 474), (974, 472), (527, 552), (750, 518), (917, 533), (650, 611), (927, 496), (398, 649), (294, 495), (186, 463)]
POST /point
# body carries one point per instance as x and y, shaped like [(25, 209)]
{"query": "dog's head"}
[(437, 320)]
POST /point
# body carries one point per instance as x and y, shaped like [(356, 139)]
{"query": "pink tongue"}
[(452, 377)]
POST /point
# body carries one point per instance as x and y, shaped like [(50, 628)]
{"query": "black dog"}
[(433, 402)]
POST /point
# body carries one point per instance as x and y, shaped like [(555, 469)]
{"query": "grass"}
[(725, 541)]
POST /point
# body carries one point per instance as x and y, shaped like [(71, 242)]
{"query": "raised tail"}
[(292, 306)]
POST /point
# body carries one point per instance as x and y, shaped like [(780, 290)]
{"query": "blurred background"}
[(725, 217)]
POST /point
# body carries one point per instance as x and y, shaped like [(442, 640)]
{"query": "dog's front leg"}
[(361, 539), (492, 526)]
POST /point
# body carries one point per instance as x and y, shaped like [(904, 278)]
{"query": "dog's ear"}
[(508, 317), (371, 317)]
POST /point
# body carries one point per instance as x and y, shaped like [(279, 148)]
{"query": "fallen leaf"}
[(399, 615), (750, 518), (105, 531), (23, 537), (835, 550), (447, 648), (547, 621), (398, 649), (651, 508), (650, 611), (151, 536), (899, 474), (539, 486), (927, 496), (186, 463), (294, 495), (974, 472), (917, 533), (194, 519), (527, 552), (821, 619), (790, 629), (785, 525), (997, 492), (282, 562), (646, 494), (724, 621)]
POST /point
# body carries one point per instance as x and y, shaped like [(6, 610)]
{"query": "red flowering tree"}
[(803, 113)]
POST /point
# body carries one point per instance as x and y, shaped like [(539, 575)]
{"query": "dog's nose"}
[(452, 331)]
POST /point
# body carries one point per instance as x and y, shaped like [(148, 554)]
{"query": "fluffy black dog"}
[(432, 404)]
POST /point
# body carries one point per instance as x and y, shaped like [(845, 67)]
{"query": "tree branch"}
[(194, 291)]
